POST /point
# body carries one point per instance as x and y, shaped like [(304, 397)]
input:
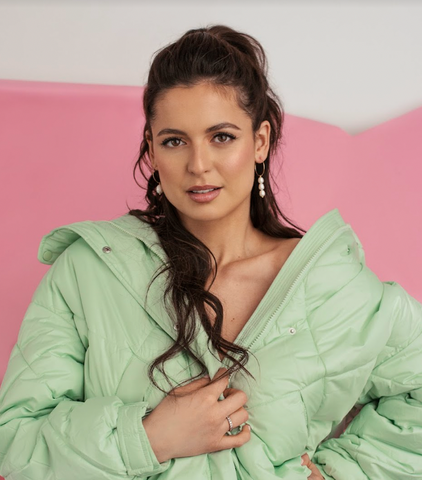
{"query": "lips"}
[(203, 193), (202, 189)]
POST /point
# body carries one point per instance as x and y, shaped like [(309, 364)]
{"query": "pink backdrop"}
[(67, 152)]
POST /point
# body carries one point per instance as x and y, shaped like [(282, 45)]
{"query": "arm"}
[(384, 441), (47, 430)]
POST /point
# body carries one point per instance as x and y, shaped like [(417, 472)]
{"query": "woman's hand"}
[(196, 423), (316, 474)]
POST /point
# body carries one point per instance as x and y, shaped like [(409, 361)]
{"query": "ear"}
[(150, 149), (262, 141)]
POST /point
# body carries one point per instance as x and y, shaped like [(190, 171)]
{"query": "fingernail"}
[(302, 461)]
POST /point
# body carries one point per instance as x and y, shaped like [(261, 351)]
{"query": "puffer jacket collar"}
[(132, 251), (117, 242)]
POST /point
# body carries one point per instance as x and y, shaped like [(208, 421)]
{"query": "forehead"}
[(204, 88), (200, 104)]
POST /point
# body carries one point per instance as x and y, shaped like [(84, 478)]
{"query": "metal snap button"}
[(47, 255), (292, 331), (106, 249)]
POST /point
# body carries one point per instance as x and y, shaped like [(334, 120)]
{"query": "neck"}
[(229, 239)]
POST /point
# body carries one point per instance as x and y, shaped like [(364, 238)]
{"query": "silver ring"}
[(230, 423)]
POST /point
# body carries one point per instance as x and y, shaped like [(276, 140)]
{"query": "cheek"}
[(168, 170), (241, 168)]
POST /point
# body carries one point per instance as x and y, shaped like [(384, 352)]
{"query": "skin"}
[(316, 474), (195, 422), (200, 159)]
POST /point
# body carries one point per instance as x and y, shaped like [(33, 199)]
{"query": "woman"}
[(108, 378)]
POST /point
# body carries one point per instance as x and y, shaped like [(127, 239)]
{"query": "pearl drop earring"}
[(158, 188), (261, 185)]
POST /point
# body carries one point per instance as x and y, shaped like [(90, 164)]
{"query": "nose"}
[(199, 160)]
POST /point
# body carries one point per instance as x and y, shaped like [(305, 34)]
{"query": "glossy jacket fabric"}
[(327, 335)]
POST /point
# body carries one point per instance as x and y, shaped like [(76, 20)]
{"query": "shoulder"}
[(289, 244), (276, 246), (338, 275), (96, 235), (282, 249)]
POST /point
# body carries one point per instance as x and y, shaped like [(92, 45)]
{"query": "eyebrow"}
[(219, 126)]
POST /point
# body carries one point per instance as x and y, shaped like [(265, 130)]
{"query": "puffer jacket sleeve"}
[(384, 441), (47, 430)]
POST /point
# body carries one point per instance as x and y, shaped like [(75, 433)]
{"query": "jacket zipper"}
[(296, 280)]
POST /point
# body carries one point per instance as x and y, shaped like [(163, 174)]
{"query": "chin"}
[(202, 214), (201, 217)]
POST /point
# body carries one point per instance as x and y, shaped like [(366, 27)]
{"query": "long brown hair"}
[(223, 57)]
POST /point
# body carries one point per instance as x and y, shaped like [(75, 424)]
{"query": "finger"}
[(219, 383), (233, 402), (234, 441), (234, 399), (237, 418), (312, 476), (219, 373), (230, 391), (316, 474), (315, 471), (193, 385)]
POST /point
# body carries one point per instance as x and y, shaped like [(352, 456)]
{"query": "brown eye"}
[(226, 135), (168, 140)]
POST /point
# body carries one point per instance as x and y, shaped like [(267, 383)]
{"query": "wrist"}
[(156, 441)]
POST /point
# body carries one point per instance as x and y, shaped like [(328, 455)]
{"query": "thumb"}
[(316, 474), (305, 460)]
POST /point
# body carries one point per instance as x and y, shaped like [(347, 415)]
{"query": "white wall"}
[(350, 63)]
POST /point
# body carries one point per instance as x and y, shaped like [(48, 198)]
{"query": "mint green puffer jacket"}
[(328, 336)]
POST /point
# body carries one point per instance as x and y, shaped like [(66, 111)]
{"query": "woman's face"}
[(206, 168)]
